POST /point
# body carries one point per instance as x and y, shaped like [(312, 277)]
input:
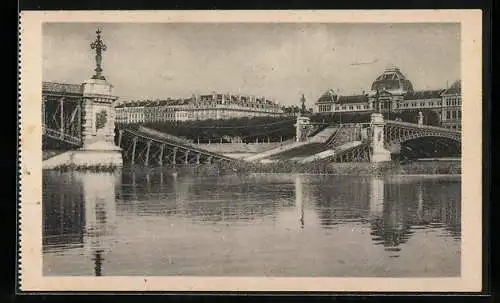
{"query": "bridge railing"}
[(56, 134), (414, 125), (154, 132)]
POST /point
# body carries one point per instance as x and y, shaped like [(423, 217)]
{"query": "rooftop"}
[(66, 88), (455, 88), (329, 97), (424, 94), (392, 79)]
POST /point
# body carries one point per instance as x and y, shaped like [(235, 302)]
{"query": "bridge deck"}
[(301, 151), (331, 152), (159, 137)]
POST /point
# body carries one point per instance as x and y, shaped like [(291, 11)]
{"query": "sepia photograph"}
[(224, 149)]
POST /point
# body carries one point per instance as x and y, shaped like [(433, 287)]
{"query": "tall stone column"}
[(98, 119), (379, 153)]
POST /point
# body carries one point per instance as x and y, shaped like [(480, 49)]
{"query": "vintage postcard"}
[(251, 151)]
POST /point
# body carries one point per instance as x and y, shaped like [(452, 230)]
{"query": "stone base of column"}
[(381, 155), (100, 155), (96, 159)]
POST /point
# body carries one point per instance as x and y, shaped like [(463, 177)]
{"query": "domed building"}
[(392, 94), (388, 90), (392, 79)]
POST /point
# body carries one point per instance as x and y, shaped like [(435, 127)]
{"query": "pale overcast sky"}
[(276, 60)]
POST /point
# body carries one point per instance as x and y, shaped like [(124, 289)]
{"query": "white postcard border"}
[(30, 262)]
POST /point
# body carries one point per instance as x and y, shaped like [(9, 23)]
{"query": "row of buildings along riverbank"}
[(390, 92), (198, 107)]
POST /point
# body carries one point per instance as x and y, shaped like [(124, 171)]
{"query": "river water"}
[(157, 224)]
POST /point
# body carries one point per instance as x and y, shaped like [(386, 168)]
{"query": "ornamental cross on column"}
[(99, 47)]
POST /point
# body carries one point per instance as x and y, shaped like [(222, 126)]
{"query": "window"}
[(447, 115), (454, 114), (459, 114)]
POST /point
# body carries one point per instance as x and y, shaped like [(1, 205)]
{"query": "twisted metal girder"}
[(360, 153), (152, 151)]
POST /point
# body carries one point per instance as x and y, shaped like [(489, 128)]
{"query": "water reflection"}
[(209, 200), (87, 216), (80, 213), (389, 221), (299, 182), (63, 212)]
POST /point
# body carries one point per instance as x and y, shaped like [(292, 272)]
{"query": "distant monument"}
[(303, 105)]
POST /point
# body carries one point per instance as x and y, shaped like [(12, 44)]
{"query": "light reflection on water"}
[(259, 225)]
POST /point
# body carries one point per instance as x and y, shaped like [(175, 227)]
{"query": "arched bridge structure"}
[(400, 132), (407, 136), (148, 147)]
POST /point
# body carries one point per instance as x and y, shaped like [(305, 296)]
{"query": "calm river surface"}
[(260, 225)]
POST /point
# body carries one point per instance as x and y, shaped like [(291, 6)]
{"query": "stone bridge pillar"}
[(301, 128), (99, 112), (379, 153)]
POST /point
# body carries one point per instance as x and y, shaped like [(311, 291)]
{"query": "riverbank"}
[(388, 168), (290, 167)]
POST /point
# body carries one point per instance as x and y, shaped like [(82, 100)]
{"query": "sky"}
[(280, 61)]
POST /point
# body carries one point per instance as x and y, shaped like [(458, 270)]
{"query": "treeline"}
[(411, 116), (248, 130), (272, 129)]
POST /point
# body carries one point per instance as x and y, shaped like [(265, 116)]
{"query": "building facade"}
[(198, 107), (391, 93)]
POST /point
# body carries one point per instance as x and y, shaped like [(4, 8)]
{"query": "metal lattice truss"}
[(149, 151), (394, 132), (62, 119), (360, 153), (399, 132)]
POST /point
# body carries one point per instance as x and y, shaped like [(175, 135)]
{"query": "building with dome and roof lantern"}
[(393, 95)]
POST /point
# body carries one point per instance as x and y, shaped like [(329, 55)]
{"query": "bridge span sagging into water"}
[(148, 147)]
